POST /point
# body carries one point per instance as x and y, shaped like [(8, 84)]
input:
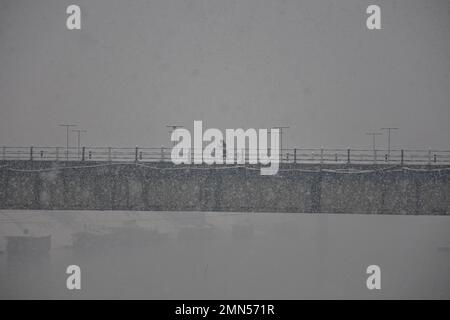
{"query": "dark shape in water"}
[(123, 236), (89, 240), (28, 245), (135, 236)]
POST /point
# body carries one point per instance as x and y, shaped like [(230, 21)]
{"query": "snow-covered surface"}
[(275, 256)]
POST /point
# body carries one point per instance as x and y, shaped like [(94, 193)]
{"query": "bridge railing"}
[(290, 155)]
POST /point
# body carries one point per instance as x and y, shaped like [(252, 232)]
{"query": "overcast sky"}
[(136, 66)]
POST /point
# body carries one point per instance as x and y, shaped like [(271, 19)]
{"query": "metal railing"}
[(292, 155)]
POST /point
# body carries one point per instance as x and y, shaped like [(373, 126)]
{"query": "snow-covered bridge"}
[(392, 186)]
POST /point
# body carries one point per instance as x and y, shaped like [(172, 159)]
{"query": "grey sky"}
[(138, 65)]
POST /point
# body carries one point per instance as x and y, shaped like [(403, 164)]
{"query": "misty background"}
[(136, 66)]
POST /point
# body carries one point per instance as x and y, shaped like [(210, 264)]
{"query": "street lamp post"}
[(78, 131), (281, 138), (374, 134), (172, 129), (67, 126), (389, 138)]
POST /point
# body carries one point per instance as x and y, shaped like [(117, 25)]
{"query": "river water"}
[(211, 255)]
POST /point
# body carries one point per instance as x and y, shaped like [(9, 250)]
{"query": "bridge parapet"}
[(288, 156)]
